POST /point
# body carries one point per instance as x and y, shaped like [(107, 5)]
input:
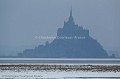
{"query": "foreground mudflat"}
[(58, 71), (52, 67)]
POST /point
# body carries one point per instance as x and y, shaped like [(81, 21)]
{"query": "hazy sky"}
[(22, 20)]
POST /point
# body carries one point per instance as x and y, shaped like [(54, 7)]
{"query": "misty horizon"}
[(23, 20)]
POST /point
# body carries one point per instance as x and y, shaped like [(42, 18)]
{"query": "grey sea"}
[(61, 60)]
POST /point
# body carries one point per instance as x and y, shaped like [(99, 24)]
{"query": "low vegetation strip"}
[(25, 67)]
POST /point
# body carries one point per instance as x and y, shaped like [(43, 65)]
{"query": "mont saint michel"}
[(80, 44)]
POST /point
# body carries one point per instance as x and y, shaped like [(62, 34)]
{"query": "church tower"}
[(71, 20), (71, 17)]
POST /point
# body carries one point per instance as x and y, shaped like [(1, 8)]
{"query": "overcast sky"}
[(22, 20)]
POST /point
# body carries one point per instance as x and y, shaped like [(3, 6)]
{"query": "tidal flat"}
[(56, 67), (59, 71)]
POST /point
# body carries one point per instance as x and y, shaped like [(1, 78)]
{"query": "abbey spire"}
[(70, 20), (71, 17)]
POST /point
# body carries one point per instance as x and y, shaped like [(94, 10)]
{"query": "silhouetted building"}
[(80, 44)]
